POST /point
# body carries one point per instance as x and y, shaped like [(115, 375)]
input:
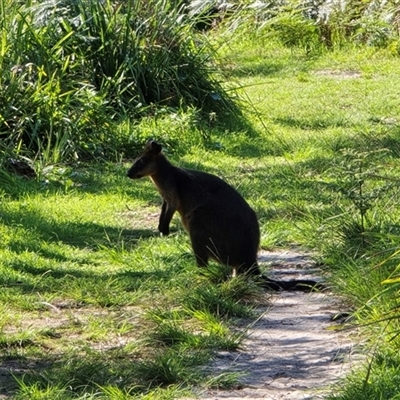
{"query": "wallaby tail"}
[(304, 285)]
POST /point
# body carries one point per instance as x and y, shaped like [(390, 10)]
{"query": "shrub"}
[(310, 24), (71, 69)]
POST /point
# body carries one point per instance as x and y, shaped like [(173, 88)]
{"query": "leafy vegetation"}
[(315, 24), (94, 304), (72, 71)]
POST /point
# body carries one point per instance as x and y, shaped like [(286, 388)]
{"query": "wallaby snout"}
[(132, 174), (146, 163)]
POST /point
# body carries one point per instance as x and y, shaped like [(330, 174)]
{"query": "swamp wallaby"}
[(221, 225)]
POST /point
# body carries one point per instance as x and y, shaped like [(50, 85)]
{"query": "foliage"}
[(361, 181), (71, 70), (315, 24), (379, 381)]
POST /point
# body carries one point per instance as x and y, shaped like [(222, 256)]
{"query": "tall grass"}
[(313, 25), (71, 70)]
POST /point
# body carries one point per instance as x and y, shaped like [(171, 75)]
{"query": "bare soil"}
[(292, 351)]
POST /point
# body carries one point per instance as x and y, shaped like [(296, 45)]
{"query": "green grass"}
[(72, 72), (87, 286), (95, 304)]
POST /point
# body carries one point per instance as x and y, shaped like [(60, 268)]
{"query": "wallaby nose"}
[(131, 174)]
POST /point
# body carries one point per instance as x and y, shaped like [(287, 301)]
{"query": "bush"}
[(311, 24), (71, 69)]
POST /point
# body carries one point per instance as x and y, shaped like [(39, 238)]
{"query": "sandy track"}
[(291, 352)]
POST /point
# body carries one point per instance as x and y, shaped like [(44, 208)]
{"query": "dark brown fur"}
[(220, 223)]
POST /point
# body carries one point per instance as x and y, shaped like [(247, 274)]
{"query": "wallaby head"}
[(146, 163)]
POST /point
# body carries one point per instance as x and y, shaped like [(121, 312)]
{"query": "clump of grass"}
[(213, 300), (196, 329), (37, 392), (225, 381), (171, 367), (378, 380), (74, 70), (312, 26)]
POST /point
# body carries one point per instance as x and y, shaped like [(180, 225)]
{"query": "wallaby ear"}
[(155, 147)]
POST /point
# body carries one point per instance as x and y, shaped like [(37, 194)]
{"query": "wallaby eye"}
[(142, 162)]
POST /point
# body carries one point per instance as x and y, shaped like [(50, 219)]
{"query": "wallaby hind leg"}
[(250, 269), (201, 260), (200, 249), (201, 255)]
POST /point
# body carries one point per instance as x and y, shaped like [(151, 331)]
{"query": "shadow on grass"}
[(317, 123), (76, 288), (41, 264), (389, 140), (264, 68), (138, 366), (72, 288), (87, 371), (79, 374), (76, 178), (370, 138), (81, 235), (253, 146)]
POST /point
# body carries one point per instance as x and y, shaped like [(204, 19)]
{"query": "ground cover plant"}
[(72, 71), (94, 304)]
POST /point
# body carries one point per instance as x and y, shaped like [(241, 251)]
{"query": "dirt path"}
[(290, 353)]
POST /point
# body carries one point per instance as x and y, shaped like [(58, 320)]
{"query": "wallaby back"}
[(220, 223)]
